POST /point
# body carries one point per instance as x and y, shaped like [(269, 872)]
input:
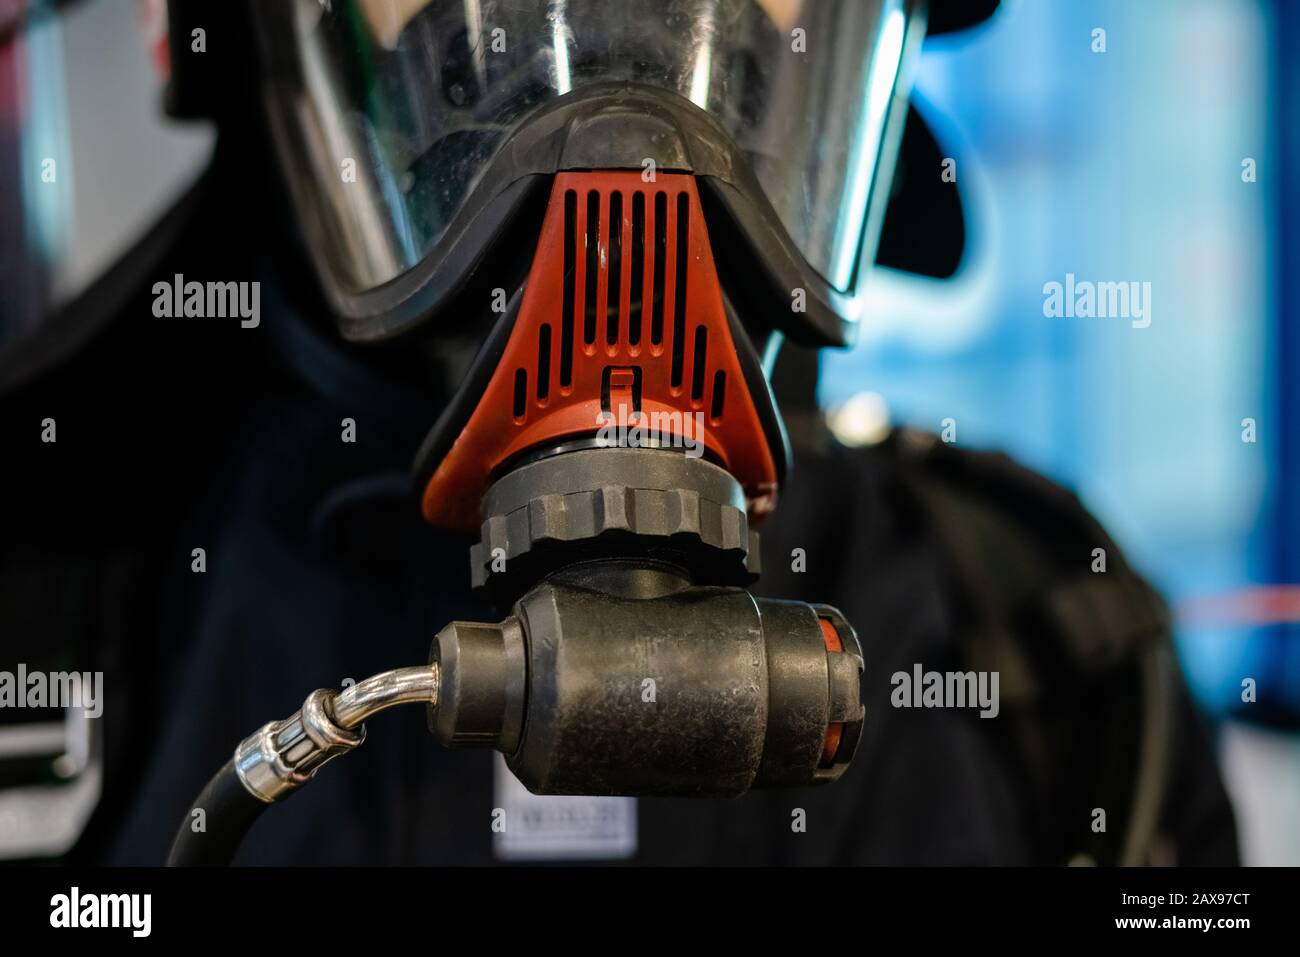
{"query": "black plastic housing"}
[(624, 679)]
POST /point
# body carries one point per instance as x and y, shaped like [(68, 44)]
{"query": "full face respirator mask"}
[(631, 206)]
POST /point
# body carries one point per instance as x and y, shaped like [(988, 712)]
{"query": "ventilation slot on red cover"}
[(679, 288), (544, 362), (638, 269), (615, 267), (701, 355), (719, 395), (661, 257), (591, 302), (570, 287)]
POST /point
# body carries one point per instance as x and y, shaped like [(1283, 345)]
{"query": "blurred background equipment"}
[(1164, 159), (89, 165)]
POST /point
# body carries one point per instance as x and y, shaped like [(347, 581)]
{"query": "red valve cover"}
[(627, 316)]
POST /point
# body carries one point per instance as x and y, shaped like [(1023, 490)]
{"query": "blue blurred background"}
[(1132, 165)]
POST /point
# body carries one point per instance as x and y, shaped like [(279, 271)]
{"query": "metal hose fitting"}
[(284, 755)]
